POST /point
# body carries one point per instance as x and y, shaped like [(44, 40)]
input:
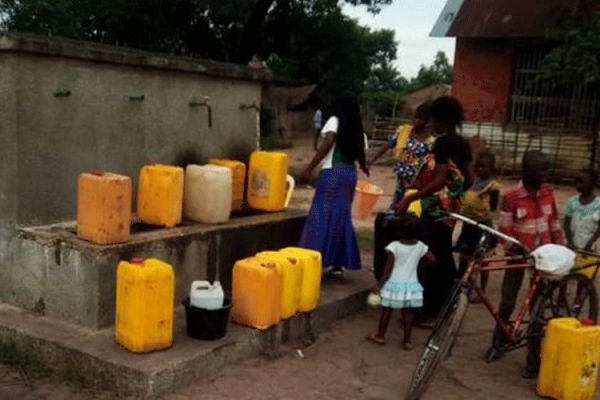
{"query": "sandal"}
[(376, 339), (407, 346), (336, 273)]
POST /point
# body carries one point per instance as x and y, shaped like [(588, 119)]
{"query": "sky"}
[(412, 21)]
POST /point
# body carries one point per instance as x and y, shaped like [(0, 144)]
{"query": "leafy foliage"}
[(576, 56), (309, 40), (385, 87)]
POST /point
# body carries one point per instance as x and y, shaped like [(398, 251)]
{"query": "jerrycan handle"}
[(204, 285), (291, 184)]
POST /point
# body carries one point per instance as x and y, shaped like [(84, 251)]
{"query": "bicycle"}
[(573, 295)]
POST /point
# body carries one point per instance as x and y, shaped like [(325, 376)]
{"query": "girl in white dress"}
[(399, 287)]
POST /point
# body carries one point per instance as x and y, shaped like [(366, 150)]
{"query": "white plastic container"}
[(207, 194), (207, 296)]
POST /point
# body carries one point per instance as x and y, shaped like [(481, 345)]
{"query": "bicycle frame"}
[(480, 263), (509, 331)]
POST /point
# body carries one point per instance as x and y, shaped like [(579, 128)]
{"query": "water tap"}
[(203, 103)]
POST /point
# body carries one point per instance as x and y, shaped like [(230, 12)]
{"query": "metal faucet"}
[(203, 103)]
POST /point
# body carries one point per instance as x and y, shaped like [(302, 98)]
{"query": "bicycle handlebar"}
[(487, 229)]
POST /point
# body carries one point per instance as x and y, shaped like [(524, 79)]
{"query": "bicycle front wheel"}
[(439, 344)]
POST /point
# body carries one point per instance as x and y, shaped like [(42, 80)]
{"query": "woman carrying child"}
[(440, 187)]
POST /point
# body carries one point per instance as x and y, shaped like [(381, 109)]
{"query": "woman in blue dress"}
[(328, 227)]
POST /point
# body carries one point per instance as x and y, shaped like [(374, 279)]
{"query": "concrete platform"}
[(92, 357), (55, 274)]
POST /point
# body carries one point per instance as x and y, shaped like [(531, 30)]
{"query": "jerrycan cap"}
[(586, 322), (137, 260), (97, 172)]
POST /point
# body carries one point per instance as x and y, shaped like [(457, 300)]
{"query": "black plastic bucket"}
[(206, 324)]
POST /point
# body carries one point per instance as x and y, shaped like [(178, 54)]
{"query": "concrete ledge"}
[(60, 47), (58, 275), (93, 358)]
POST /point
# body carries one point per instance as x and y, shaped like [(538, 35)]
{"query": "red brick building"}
[(500, 45)]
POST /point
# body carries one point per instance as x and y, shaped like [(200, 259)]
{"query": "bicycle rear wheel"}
[(573, 296), (439, 344)]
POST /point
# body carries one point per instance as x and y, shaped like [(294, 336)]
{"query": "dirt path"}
[(343, 365)]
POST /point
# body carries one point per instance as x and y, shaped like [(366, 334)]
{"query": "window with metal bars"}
[(546, 103)]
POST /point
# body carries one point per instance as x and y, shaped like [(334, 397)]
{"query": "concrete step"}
[(93, 359)]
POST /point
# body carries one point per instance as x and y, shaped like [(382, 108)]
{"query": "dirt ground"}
[(342, 364)]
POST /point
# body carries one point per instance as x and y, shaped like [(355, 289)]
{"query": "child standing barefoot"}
[(399, 287)]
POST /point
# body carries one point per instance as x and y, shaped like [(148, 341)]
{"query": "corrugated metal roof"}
[(501, 18)]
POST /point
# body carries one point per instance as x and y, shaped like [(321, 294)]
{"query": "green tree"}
[(440, 71), (576, 55), (302, 39)]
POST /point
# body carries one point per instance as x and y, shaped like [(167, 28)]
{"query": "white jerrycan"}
[(207, 296)]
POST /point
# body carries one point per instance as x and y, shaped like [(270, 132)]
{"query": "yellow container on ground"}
[(144, 311), (256, 293), (570, 356), (238, 173), (310, 261), (291, 280), (160, 195), (583, 260), (267, 179)]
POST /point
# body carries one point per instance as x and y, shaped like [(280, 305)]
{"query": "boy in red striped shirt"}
[(528, 214)]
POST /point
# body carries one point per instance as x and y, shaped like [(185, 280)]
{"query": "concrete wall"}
[(482, 78), (48, 140)]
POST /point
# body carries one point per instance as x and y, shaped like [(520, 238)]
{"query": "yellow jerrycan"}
[(256, 293), (310, 291), (582, 260), (238, 174), (291, 280), (570, 355), (103, 207), (270, 187), (160, 195), (144, 310), (415, 206)]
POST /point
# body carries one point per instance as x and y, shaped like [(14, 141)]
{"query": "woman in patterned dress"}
[(411, 144)]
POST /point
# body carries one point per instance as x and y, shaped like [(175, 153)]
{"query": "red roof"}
[(506, 18)]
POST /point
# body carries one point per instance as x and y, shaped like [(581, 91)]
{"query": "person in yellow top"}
[(480, 201), (410, 145)]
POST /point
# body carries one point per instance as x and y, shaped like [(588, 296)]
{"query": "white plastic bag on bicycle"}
[(553, 261)]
